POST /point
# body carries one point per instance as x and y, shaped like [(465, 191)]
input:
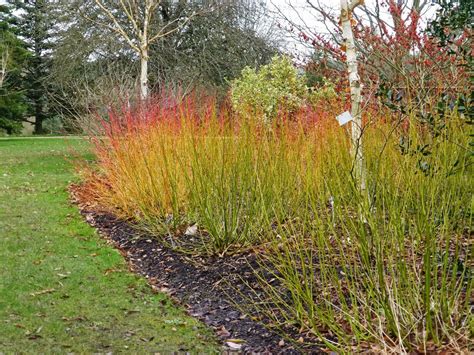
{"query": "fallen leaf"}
[(147, 340), (281, 343), (42, 292), (111, 270), (233, 346), (191, 230), (223, 332), (130, 311)]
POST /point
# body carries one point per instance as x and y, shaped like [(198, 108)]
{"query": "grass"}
[(62, 289), (390, 266)]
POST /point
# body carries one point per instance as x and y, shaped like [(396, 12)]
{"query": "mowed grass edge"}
[(61, 287)]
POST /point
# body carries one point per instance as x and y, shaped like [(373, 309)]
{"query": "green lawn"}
[(62, 289)]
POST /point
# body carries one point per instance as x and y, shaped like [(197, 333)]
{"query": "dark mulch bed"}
[(210, 288)]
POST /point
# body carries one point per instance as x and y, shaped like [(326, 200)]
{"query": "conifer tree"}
[(34, 23), (13, 56)]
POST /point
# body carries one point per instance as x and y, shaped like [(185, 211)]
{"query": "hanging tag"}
[(343, 118)]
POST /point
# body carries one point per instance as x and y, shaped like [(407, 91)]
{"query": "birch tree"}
[(4, 65), (132, 21), (355, 88)]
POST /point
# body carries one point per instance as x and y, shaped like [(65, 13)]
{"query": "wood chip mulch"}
[(209, 288)]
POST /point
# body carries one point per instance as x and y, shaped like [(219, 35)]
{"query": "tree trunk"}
[(39, 117), (355, 89), (3, 69), (144, 73)]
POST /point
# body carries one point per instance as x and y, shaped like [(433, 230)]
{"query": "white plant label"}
[(343, 118)]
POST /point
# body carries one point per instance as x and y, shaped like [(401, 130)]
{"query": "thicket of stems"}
[(393, 270)]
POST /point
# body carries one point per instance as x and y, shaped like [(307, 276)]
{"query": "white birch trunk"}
[(355, 90), (144, 52), (4, 65), (144, 74)]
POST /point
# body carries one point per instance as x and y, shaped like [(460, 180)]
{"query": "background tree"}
[(452, 19), (134, 22), (92, 69), (215, 46), (89, 67), (34, 22), (13, 103), (400, 63), (452, 28)]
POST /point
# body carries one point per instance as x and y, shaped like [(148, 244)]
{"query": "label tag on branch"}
[(343, 118)]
